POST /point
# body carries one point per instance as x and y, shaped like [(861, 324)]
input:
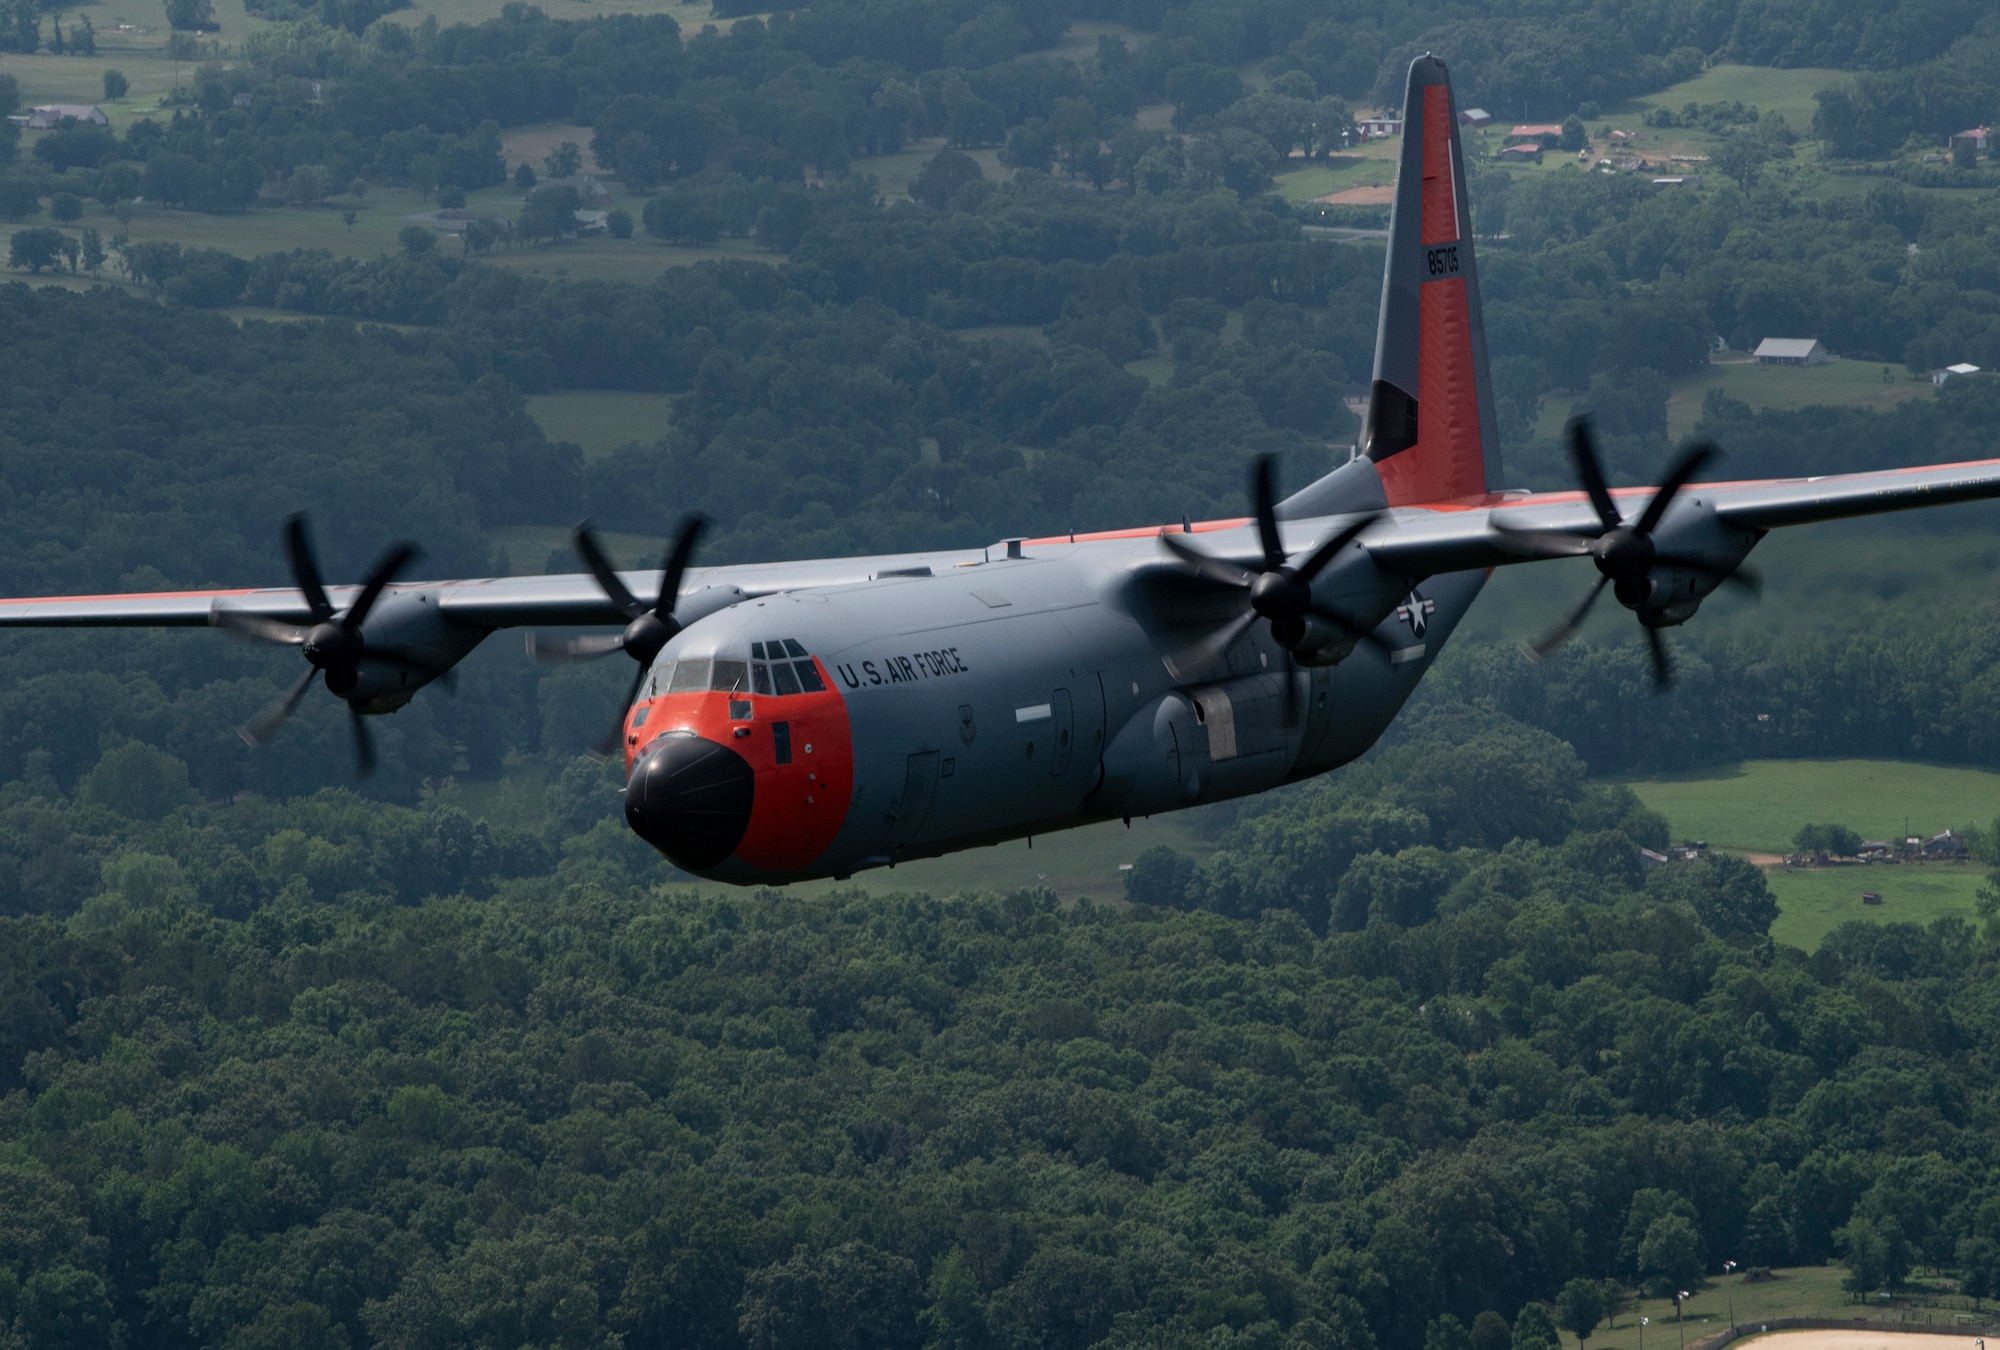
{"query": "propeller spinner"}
[(334, 644), (1626, 555), (649, 628)]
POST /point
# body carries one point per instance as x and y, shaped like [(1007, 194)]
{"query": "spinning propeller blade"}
[(648, 630), (1281, 594), (333, 645), (1625, 554)]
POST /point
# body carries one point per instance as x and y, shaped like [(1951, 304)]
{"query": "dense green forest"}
[(332, 1073), (291, 1061)]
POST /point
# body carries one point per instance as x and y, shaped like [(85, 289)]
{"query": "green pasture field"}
[(381, 214), (1839, 383), (1787, 92), (1853, 384), (601, 420), (1765, 88), (1370, 165), (141, 56), (1801, 1291), (894, 173), (1812, 902), (1757, 806)]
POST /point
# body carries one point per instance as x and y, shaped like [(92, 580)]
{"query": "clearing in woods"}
[(601, 420), (1757, 806), (1800, 1291)]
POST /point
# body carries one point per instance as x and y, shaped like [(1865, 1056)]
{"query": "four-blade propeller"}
[(649, 628), (333, 644), (1625, 554), (1281, 594)]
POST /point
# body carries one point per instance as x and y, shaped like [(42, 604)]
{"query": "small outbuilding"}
[(1976, 137), (1946, 846), (1793, 352), (1679, 180), (1526, 152), (1938, 377), (1373, 128), (1475, 117)]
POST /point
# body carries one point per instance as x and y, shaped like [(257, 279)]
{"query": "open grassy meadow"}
[(601, 420), (1812, 902), (1858, 384), (1839, 383), (1364, 166), (1801, 1291), (1757, 806), (1768, 89)]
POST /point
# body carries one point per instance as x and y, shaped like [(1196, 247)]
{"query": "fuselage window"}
[(809, 676), (760, 676), (787, 679)]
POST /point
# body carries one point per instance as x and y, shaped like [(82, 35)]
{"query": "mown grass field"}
[(1801, 1291), (1757, 806), (1812, 902), (1851, 384), (1854, 384), (1369, 165), (1789, 92), (601, 420)]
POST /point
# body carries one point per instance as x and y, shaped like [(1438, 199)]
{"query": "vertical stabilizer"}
[(1431, 430)]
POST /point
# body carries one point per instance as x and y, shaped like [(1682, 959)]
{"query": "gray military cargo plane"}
[(806, 719)]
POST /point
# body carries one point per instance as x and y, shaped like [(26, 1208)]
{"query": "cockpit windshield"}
[(779, 666)]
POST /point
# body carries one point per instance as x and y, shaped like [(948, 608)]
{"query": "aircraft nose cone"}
[(690, 799)]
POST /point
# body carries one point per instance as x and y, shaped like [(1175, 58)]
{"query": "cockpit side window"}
[(730, 677), (782, 666)]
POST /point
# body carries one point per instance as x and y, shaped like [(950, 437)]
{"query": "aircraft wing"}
[(1458, 536), (492, 602)]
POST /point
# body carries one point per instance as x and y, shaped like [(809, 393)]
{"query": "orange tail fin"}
[(1431, 430)]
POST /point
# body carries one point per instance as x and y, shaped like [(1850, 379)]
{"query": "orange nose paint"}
[(799, 746)]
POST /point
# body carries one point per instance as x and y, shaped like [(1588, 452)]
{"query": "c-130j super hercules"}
[(806, 719)]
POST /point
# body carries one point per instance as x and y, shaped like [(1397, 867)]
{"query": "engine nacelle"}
[(425, 644), (1668, 596)]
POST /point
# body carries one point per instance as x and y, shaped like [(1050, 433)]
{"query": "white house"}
[(1793, 352), (1374, 127)]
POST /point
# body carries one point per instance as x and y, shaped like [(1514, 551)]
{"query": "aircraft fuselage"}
[(821, 732)]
